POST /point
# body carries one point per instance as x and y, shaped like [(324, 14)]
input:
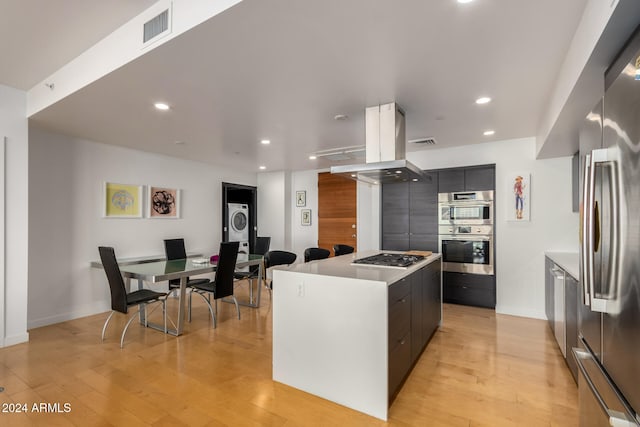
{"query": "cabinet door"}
[(479, 178), (417, 309), (548, 293), (571, 307), (451, 180), (395, 208), (423, 214), (432, 301)]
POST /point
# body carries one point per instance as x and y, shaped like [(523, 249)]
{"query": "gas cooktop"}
[(386, 259)]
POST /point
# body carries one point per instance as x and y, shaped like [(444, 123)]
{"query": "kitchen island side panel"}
[(330, 338)]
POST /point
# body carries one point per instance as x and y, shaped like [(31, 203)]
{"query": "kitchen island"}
[(351, 333)]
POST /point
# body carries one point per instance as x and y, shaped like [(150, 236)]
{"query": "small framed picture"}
[(122, 200), (163, 202), (306, 216), (301, 198)]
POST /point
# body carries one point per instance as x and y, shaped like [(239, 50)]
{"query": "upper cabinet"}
[(471, 178)]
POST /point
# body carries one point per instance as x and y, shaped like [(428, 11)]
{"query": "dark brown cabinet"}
[(409, 215), (470, 178), (469, 289), (415, 310)]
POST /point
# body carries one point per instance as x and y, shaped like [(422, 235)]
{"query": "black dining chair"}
[(273, 258), (175, 249), (222, 285), (342, 249), (261, 248), (312, 254), (121, 300)]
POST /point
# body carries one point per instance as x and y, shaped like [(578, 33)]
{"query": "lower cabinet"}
[(561, 308), (415, 311), (469, 289)]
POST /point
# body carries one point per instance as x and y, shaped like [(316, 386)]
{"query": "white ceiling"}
[(282, 69)]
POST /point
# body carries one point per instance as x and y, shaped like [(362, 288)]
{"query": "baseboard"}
[(521, 312), (88, 310), (15, 339)]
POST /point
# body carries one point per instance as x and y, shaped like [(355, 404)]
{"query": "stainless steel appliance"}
[(466, 248), (559, 313), (474, 207), (384, 149), (609, 314), (387, 259)]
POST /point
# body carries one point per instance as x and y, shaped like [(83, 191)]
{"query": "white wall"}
[(520, 246), (66, 224), (13, 291), (273, 207), (304, 236)]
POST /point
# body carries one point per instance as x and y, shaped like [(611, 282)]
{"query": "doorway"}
[(337, 211), (239, 204)]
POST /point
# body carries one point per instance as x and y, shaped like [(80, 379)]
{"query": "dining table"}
[(152, 270)]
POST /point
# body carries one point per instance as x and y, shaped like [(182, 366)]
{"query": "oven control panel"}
[(466, 229)]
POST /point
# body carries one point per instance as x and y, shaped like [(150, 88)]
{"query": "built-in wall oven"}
[(465, 232), (466, 208)]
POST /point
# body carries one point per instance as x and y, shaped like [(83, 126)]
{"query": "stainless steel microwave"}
[(465, 208)]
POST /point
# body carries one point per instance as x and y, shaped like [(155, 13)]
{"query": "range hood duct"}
[(384, 149)]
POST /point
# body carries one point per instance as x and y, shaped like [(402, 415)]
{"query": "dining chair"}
[(175, 249), (312, 254), (222, 285), (121, 300), (273, 258), (342, 249)]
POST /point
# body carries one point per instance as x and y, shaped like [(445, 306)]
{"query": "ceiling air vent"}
[(156, 26), (423, 141)]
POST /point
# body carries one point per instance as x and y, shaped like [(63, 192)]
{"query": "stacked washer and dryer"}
[(239, 227)]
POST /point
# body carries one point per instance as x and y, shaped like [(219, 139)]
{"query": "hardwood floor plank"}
[(480, 369)]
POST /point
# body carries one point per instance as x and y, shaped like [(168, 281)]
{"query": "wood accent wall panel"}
[(337, 211)]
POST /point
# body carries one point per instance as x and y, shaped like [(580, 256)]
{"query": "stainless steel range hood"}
[(385, 149)]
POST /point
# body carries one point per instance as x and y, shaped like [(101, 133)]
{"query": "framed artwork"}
[(163, 202), (306, 216), (122, 200), (519, 205), (301, 198)]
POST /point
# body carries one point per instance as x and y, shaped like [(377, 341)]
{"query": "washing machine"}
[(238, 222)]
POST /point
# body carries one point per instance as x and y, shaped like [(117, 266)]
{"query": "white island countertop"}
[(341, 267)]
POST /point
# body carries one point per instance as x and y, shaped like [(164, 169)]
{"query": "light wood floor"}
[(480, 369)]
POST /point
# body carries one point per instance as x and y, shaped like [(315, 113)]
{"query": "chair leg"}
[(189, 309), (164, 313), (235, 301), (104, 328), (127, 327), (213, 316)]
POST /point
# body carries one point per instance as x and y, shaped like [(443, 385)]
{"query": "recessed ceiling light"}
[(340, 117), (263, 168), (488, 132), (265, 142), (398, 171), (483, 100), (465, 1), (161, 106), (353, 175), (312, 157), (179, 142), (415, 180)]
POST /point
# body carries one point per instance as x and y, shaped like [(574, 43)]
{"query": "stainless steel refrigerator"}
[(609, 309)]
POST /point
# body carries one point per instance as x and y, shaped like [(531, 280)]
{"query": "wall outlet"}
[(301, 289)]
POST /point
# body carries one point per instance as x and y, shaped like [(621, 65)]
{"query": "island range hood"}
[(385, 149)]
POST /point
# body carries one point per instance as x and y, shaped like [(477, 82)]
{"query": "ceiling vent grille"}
[(156, 26), (424, 141)]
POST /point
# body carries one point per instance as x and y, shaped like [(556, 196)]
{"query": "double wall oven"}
[(465, 231)]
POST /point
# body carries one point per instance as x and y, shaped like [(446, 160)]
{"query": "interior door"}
[(337, 211)]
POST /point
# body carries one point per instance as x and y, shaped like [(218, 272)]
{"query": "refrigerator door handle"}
[(616, 418), (584, 235), (608, 301)]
